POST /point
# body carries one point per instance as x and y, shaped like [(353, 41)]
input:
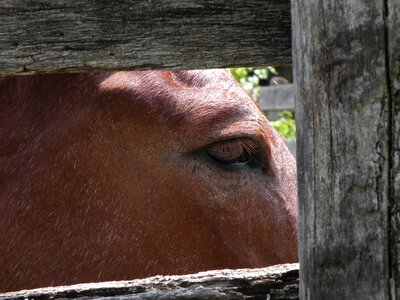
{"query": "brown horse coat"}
[(122, 175)]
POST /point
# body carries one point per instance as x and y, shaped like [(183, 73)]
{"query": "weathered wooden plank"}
[(291, 144), (343, 138), (276, 282), (279, 97), (82, 35), (393, 39)]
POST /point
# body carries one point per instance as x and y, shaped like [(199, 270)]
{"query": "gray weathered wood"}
[(82, 35), (393, 39), (277, 282), (278, 97), (274, 99), (347, 126), (291, 144)]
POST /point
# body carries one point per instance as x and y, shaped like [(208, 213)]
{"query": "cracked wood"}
[(346, 60), (52, 36), (276, 282)]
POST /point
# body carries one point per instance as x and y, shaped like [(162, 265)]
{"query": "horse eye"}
[(236, 152)]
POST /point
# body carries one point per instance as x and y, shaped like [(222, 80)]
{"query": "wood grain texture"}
[(277, 282), (278, 97), (344, 138), (393, 39), (82, 35)]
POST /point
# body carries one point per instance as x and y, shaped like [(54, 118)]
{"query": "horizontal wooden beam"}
[(278, 97), (291, 144), (277, 282), (87, 35)]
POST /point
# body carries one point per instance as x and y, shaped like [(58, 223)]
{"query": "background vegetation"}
[(251, 79)]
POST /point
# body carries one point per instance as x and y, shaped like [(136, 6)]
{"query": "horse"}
[(129, 174)]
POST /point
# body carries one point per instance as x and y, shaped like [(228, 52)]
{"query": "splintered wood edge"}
[(279, 280)]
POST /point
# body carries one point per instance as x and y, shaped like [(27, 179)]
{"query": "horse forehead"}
[(188, 78), (182, 93)]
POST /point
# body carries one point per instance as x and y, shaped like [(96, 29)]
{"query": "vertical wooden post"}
[(393, 39), (346, 56)]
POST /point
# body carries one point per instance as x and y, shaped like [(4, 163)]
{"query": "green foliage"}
[(251, 79), (285, 125)]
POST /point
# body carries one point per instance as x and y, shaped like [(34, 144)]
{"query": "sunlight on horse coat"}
[(122, 175)]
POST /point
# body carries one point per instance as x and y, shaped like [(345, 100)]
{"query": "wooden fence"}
[(346, 58), (86, 35), (277, 282), (275, 99)]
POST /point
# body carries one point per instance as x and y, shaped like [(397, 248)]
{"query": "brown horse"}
[(122, 175)]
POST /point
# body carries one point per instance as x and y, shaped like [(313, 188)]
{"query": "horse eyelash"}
[(237, 147)]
